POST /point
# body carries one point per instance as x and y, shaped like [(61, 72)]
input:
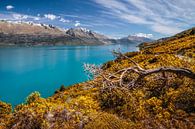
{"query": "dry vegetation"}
[(161, 100)]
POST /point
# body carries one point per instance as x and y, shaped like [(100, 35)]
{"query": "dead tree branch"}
[(181, 71), (92, 70), (117, 78)]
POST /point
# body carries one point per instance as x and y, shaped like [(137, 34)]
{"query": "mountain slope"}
[(28, 28), (123, 96)]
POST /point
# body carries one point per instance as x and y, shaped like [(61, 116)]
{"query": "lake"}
[(45, 69)]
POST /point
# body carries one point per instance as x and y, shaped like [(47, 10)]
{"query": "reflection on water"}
[(44, 69)]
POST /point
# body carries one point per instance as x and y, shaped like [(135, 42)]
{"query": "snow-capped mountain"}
[(133, 39), (84, 33), (21, 27), (30, 34)]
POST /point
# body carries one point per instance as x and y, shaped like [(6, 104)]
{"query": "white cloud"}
[(77, 23), (165, 29), (9, 7), (143, 35), (19, 16), (67, 15), (64, 20), (47, 18), (11, 16), (36, 18), (165, 17), (50, 16)]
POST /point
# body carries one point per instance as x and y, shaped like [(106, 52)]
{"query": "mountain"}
[(85, 35), (31, 34), (149, 89), (28, 28), (133, 39)]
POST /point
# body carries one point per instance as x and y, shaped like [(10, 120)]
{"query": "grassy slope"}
[(156, 104)]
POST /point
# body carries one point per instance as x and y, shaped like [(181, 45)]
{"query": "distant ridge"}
[(134, 39)]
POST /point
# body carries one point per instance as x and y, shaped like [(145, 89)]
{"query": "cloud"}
[(165, 29), (19, 16), (12, 16), (51, 16), (68, 15), (55, 17), (9, 7), (64, 20), (23, 17), (36, 18), (165, 17), (77, 23), (143, 35), (47, 19)]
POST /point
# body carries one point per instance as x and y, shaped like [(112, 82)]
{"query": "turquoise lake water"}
[(45, 69)]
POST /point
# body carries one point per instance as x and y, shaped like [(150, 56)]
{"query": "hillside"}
[(149, 89), (183, 36), (28, 28)]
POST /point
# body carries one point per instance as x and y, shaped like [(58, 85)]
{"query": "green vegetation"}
[(159, 100)]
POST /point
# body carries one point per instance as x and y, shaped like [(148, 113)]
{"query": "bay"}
[(45, 69)]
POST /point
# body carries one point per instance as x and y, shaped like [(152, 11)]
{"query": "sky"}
[(115, 18)]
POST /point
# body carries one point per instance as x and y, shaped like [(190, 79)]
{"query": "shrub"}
[(33, 97), (5, 108)]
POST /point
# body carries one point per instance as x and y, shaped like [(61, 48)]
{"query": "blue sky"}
[(115, 18)]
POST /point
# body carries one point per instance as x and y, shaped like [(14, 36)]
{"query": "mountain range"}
[(17, 33)]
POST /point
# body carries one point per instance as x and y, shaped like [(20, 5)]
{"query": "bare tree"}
[(117, 78)]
